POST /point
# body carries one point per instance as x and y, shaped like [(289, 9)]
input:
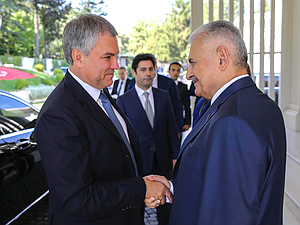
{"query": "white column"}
[(196, 14), (289, 97)]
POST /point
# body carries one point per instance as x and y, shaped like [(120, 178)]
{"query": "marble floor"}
[(292, 186), (289, 218)]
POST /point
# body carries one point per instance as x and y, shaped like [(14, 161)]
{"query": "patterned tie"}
[(120, 88), (108, 108), (148, 109)]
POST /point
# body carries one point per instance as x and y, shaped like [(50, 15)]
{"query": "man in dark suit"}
[(168, 85), (120, 85), (174, 71), (88, 147), (157, 133), (231, 167)]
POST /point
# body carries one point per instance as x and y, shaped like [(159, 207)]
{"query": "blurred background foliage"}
[(33, 28)]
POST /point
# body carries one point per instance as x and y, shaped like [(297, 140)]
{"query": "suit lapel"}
[(199, 126), (90, 105), (126, 84), (208, 115), (157, 105)]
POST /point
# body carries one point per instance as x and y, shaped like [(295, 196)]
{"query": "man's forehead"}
[(175, 66), (145, 64)]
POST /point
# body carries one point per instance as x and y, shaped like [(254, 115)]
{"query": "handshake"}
[(158, 188)]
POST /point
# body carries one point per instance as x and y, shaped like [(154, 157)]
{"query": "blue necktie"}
[(120, 88), (108, 108)]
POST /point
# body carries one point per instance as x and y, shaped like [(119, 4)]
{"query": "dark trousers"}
[(163, 211)]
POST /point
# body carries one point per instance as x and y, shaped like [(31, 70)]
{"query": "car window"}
[(15, 115)]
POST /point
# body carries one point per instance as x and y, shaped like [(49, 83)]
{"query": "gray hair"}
[(83, 33), (225, 32)]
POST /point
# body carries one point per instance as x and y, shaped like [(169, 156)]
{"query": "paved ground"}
[(38, 214)]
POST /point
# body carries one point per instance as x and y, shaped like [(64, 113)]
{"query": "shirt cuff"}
[(171, 190)]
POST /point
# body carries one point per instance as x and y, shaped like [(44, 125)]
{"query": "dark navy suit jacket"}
[(162, 138), (169, 85), (90, 174), (231, 167), (185, 101)]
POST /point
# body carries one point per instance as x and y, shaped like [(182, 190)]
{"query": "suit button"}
[(127, 155), (152, 149)]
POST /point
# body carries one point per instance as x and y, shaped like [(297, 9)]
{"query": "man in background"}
[(120, 85), (150, 111), (168, 85), (174, 71)]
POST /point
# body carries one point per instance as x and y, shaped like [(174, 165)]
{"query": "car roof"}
[(5, 93)]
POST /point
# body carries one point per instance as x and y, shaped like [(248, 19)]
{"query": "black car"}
[(22, 177)]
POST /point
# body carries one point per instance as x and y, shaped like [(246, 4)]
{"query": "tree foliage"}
[(52, 13), (94, 7), (11, 29), (18, 32), (139, 37), (167, 39)]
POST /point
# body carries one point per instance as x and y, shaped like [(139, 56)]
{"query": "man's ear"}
[(133, 72), (224, 57), (77, 57)]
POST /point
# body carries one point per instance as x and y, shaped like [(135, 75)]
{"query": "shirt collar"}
[(222, 89), (140, 91), (93, 92)]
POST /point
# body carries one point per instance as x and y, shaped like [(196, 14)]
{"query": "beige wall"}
[(289, 100)]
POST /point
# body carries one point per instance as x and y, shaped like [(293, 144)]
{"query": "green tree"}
[(178, 29), (139, 37), (91, 6), (52, 13), (11, 29), (158, 42), (123, 42)]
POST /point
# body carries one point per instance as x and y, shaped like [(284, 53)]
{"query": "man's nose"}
[(189, 73), (115, 64)]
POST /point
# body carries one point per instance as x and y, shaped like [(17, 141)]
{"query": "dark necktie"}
[(148, 109), (120, 88), (108, 108)]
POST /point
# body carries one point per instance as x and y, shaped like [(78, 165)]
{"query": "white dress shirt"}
[(95, 93), (220, 91)]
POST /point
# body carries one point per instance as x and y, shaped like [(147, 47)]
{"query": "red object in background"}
[(11, 74)]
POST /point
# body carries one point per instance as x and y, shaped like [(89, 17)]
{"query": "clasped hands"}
[(158, 188)]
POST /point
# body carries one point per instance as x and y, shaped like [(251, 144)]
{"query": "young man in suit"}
[(231, 167), (120, 85), (167, 84), (150, 111), (89, 149), (174, 71)]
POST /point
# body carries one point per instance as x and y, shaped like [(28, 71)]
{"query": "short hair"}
[(174, 63), (143, 57), (83, 33), (226, 32), (123, 68)]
